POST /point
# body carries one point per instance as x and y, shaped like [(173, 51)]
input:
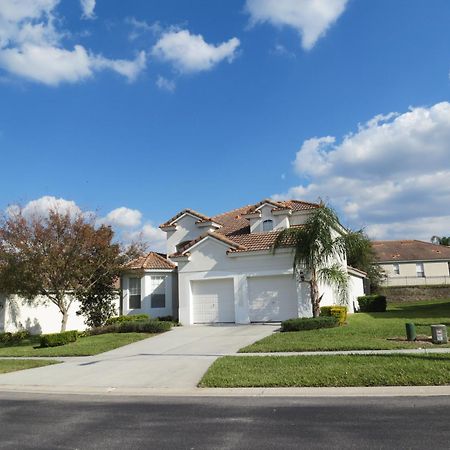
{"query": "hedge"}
[(137, 326), (14, 338), (56, 339), (310, 323), (340, 312), (131, 318), (372, 303)]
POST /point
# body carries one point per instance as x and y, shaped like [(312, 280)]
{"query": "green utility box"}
[(410, 332), (439, 334)]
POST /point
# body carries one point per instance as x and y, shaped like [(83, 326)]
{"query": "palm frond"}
[(336, 276)]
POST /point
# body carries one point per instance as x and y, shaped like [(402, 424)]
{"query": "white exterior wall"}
[(209, 260), (356, 289), (146, 293), (280, 221), (187, 230), (38, 317)]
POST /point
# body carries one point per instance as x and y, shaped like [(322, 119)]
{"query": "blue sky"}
[(155, 106)]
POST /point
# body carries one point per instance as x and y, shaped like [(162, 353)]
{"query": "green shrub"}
[(14, 338), (372, 303), (309, 323), (56, 339), (138, 326), (131, 318), (166, 319), (335, 310)]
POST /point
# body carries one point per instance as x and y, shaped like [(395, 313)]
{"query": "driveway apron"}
[(176, 359)]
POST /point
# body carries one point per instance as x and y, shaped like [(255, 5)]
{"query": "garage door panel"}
[(272, 298), (213, 301)]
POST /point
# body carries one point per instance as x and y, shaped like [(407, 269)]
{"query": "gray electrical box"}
[(439, 334)]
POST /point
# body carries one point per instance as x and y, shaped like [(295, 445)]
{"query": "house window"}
[(396, 268), (268, 225), (419, 270), (135, 293), (158, 297)]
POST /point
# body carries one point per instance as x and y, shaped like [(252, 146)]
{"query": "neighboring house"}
[(227, 270), (413, 263)]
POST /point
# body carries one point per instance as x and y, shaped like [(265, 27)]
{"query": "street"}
[(94, 422)]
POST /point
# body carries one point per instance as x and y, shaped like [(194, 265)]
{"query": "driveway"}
[(175, 360)]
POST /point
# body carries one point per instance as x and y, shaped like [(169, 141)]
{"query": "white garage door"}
[(272, 298), (213, 301)]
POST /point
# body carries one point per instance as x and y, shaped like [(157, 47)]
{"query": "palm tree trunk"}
[(315, 298)]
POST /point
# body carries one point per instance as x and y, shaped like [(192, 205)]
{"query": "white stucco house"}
[(223, 269), (413, 262)]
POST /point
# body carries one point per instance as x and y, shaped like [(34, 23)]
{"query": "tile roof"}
[(235, 228), (169, 222), (410, 250), (151, 261)]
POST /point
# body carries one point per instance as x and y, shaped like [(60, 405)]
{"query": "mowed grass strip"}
[(85, 346), (364, 331), (323, 371), (12, 365)]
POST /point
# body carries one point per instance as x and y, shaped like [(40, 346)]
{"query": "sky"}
[(136, 110)]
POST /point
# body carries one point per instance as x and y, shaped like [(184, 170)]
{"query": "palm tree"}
[(444, 240), (319, 246)]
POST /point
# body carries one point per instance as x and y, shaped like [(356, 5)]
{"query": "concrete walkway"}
[(176, 360)]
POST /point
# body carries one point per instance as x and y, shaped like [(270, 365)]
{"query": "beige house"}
[(413, 263)]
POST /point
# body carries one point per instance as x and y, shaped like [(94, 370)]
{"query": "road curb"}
[(379, 391)]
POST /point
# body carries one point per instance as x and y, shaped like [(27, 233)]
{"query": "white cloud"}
[(391, 175), (129, 69), (31, 47), (88, 7), (311, 18), (153, 236), (190, 53), (123, 218), (165, 84), (42, 206), (47, 65), (140, 27)]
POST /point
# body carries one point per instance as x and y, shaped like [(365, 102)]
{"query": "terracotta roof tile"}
[(152, 261), (410, 250), (188, 211), (235, 228)]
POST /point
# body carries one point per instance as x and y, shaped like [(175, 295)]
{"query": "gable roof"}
[(235, 227), (171, 221), (409, 250), (151, 261)]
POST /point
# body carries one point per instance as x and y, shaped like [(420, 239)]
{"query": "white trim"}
[(259, 252), (189, 249)]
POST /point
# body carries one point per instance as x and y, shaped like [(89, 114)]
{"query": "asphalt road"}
[(75, 422)]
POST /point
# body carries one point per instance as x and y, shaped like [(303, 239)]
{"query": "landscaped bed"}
[(364, 331), (335, 371), (84, 346), (12, 365)]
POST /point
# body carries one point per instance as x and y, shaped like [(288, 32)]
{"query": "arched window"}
[(268, 225)]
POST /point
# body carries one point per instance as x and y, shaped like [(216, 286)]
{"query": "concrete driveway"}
[(174, 360)]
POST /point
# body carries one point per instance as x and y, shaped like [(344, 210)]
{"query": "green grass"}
[(12, 365), (90, 345), (364, 331), (321, 371)]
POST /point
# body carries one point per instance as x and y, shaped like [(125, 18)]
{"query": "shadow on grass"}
[(413, 311)]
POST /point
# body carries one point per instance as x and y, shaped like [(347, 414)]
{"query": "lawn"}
[(90, 345), (335, 371), (12, 365), (364, 331)]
